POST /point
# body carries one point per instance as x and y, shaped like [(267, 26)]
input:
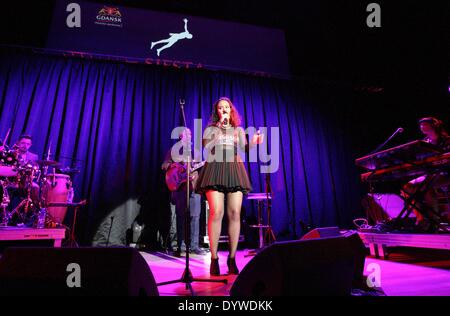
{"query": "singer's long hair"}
[(235, 119), (436, 124)]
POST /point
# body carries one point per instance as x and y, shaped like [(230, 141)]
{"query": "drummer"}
[(23, 145)]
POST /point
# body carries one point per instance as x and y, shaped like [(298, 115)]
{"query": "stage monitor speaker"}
[(75, 271), (322, 232), (325, 266)]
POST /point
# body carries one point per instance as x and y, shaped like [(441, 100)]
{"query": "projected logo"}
[(174, 37), (109, 16)]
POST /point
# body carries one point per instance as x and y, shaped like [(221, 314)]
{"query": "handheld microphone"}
[(225, 121)]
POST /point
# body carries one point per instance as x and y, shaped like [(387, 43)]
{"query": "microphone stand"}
[(187, 278), (399, 130), (109, 232)]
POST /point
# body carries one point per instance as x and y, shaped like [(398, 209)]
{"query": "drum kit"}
[(30, 195)]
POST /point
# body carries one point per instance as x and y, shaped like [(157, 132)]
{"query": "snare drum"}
[(57, 189)]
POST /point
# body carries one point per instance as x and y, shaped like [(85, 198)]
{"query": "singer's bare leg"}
[(216, 206), (234, 203)]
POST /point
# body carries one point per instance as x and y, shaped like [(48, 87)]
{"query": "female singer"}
[(224, 176)]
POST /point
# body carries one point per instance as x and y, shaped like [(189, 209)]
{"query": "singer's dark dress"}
[(228, 174)]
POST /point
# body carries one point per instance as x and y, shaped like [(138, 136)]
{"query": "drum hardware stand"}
[(5, 219), (410, 203), (187, 278), (269, 236), (4, 204), (71, 241), (5, 196), (25, 204), (5, 215)]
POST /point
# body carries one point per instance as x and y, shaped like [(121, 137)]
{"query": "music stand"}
[(187, 278)]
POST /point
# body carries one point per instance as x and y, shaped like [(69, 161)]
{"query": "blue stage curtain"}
[(114, 120)]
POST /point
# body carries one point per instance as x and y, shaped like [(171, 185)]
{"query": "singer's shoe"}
[(232, 267), (214, 269)]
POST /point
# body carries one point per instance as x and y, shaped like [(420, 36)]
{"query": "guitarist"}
[(178, 198)]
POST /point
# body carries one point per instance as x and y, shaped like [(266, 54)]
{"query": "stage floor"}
[(166, 267), (404, 274)]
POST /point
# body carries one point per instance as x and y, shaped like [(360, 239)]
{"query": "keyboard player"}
[(434, 132)]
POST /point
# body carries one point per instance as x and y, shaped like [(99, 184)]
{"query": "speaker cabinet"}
[(324, 266), (322, 232), (75, 271)]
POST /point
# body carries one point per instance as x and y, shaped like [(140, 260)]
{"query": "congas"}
[(57, 189)]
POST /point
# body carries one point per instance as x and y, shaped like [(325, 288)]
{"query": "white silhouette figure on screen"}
[(174, 37)]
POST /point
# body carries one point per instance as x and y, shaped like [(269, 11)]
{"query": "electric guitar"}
[(176, 174)]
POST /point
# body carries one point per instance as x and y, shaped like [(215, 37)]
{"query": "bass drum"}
[(57, 189)]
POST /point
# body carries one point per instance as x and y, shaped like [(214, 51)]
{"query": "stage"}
[(378, 243), (12, 233), (410, 272), (417, 265)]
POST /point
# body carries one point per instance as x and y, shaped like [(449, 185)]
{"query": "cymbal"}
[(47, 163), (70, 171)]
